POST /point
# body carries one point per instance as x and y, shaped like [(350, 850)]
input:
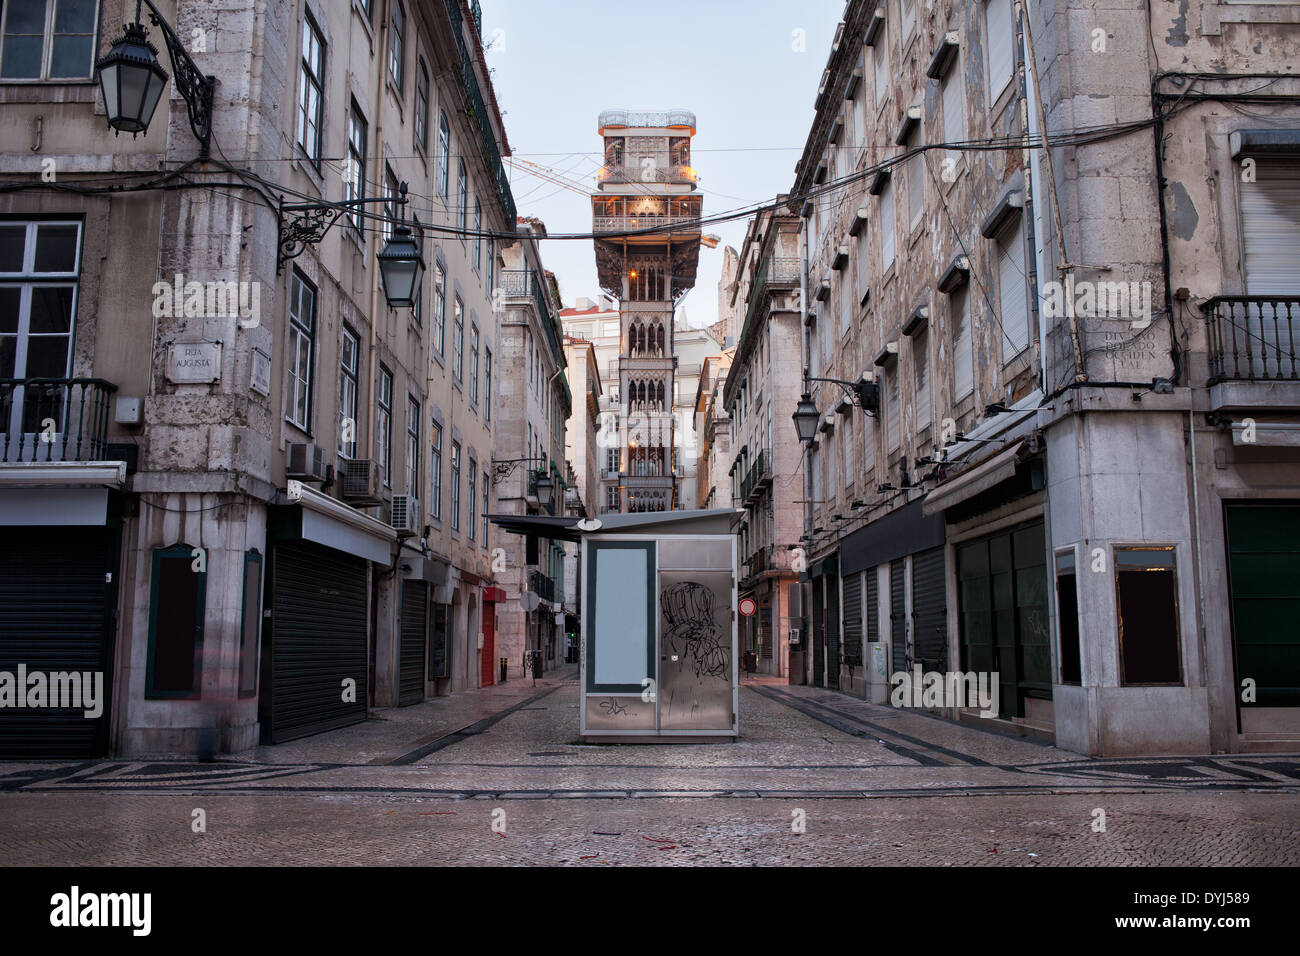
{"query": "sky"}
[(748, 69)]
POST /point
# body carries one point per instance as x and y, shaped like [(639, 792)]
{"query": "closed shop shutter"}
[(818, 633), (897, 616), (415, 604), (929, 610), (873, 605), (832, 632), (56, 615), (318, 640), (853, 620)]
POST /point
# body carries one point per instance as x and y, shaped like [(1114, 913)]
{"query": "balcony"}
[(775, 273), (758, 477), (541, 585), (661, 171), (1253, 338), (650, 225), (54, 419), (648, 119)]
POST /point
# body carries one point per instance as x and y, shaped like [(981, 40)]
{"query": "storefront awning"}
[(330, 522), (970, 483)]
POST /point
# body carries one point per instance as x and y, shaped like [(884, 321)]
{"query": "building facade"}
[(1068, 348), (245, 490)]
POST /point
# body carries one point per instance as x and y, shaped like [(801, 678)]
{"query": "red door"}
[(489, 660)]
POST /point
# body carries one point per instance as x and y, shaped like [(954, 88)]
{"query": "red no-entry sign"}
[(748, 606)]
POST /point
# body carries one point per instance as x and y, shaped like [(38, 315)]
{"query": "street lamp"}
[(805, 418), (545, 488), (400, 269), (132, 80)]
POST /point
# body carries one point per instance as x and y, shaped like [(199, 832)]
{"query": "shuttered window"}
[(954, 107), (880, 62), (1270, 238), (887, 226), (1013, 308), (1000, 43), (921, 370), (893, 409), (962, 377)]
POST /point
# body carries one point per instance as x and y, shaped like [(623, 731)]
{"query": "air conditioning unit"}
[(405, 516), (361, 481), (306, 460)]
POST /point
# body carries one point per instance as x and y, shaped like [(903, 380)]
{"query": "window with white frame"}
[(909, 20), (48, 39), (999, 44), (435, 473), (422, 104), (478, 229), (444, 155), (302, 332), (953, 96), (355, 171), (487, 384), (458, 340), (413, 452), (384, 425), (392, 210), (455, 486), (473, 364), (471, 528), (880, 64), (439, 307), (483, 479), (462, 198), (39, 269), (915, 185), (396, 39), (893, 408), (311, 92), (349, 351)]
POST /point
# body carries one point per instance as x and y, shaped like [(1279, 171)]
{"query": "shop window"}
[(1147, 598), (1067, 619), (250, 628), (439, 631), (176, 601)]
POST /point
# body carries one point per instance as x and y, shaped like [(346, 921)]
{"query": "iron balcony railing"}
[(757, 476), (54, 419), (478, 109), (660, 171), (774, 271), (646, 224), (647, 118), (1253, 337), (541, 585)]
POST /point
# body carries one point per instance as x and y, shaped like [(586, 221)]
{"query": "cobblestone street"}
[(497, 777)]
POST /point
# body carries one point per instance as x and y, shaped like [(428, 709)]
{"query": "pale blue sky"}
[(557, 64)]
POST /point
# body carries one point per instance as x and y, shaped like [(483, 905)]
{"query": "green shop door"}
[(1264, 591)]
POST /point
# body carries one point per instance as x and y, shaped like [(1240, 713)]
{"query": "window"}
[(611, 497), (392, 211), (302, 332), (435, 474), (954, 107), (491, 267), (909, 19), (1067, 612), (458, 340), (484, 482), (1261, 336), (440, 631), (39, 266), (880, 62), (962, 364), (915, 187), (1013, 308), (311, 92), (1146, 585), (921, 376), (455, 486), (384, 424), (846, 310), (251, 623), (1000, 44), (611, 461), (478, 242), (471, 528), (473, 364), (355, 171), (412, 446), (892, 409), (422, 106), (396, 37), (444, 154), (439, 307), (887, 226), (48, 39), (349, 349), (487, 385), (176, 602), (369, 7), (462, 194)]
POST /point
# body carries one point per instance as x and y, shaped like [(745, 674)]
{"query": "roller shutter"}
[(929, 610), (853, 620), (415, 605), (818, 634), (832, 633), (897, 616), (57, 615), (318, 640)]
